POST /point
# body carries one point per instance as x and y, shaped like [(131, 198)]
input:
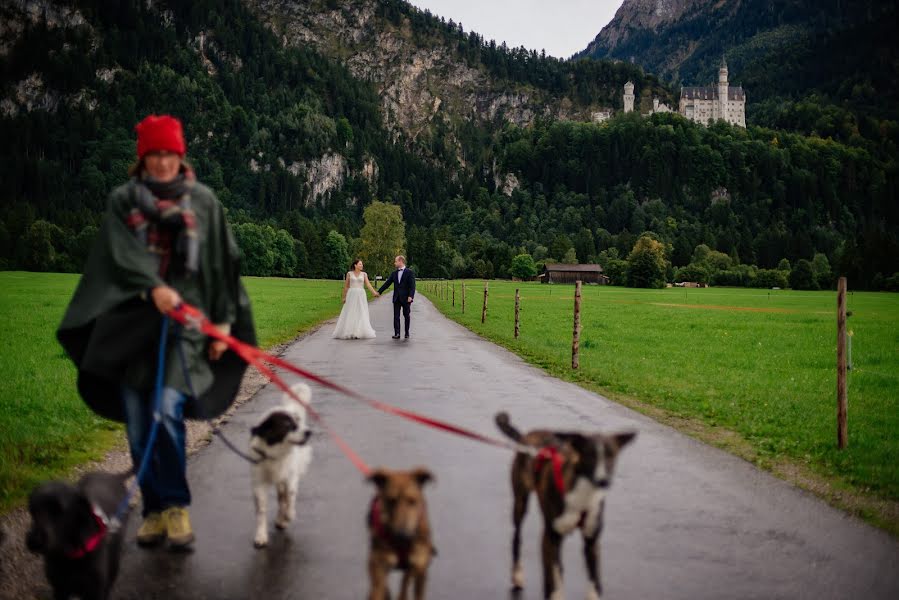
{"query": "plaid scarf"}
[(162, 219)]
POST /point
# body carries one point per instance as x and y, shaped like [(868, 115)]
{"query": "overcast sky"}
[(561, 27)]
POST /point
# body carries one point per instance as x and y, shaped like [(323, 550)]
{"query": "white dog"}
[(280, 443)]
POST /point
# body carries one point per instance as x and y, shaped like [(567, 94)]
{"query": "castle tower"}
[(722, 90), (629, 97)]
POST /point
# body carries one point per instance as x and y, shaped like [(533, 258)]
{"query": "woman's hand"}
[(165, 298), (216, 349), (377, 295)]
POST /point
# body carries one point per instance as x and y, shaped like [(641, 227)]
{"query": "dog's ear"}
[(379, 477), (422, 475), (623, 438), (578, 442)]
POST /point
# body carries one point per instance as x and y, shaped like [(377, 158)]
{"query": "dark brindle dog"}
[(70, 529), (570, 474), (400, 532)]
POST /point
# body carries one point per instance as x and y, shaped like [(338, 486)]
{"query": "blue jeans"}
[(165, 482)]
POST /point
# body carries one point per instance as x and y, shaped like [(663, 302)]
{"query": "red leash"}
[(192, 317)]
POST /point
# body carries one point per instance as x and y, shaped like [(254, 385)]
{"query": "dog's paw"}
[(281, 524), (518, 578), (261, 540), (592, 594)]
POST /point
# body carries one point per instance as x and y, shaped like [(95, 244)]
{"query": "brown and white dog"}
[(570, 474), (400, 531)]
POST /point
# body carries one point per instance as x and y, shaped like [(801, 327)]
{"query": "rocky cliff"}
[(418, 82)]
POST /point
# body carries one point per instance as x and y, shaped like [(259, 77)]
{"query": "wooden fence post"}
[(484, 309), (454, 295), (842, 403), (463, 297), (517, 311), (576, 333)]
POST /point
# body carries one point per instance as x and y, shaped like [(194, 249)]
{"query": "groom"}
[(403, 281)]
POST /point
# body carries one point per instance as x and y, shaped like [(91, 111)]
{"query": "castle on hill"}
[(700, 104)]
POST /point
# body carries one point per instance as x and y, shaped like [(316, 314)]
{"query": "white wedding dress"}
[(354, 322)]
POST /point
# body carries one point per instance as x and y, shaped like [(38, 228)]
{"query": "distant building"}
[(629, 97), (562, 273), (711, 103), (601, 115), (699, 104), (659, 107)]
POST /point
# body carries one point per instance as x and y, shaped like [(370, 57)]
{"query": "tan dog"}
[(570, 474), (400, 531)]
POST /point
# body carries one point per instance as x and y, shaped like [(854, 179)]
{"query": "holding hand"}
[(165, 298), (216, 349), (410, 298)]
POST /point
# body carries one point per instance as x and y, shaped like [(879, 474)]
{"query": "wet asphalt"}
[(683, 520)]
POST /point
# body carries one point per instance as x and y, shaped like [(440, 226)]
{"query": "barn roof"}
[(585, 268)]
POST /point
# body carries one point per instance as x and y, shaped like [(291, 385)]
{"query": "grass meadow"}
[(758, 363), (45, 429)]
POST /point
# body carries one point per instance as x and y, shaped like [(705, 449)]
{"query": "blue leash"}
[(116, 520), (215, 429)]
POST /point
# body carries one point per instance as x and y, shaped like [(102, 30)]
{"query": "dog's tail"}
[(301, 390), (502, 421)]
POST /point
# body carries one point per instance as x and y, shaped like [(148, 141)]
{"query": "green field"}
[(759, 363), (45, 429)]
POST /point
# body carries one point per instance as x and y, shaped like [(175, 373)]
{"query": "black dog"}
[(70, 528)]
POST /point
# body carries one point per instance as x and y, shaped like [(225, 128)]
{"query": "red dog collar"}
[(551, 454), (401, 548), (93, 542)]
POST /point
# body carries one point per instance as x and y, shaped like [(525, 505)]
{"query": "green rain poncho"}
[(111, 329)]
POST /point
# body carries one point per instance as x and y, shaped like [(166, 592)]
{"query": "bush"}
[(616, 269), (692, 272), (891, 284), (802, 277), (337, 256), (730, 278), (255, 242), (523, 267), (770, 278), (646, 263)]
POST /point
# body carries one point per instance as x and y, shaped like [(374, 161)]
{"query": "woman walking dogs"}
[(164, 238), (403, 281)]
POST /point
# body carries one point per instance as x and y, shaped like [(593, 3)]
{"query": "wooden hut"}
[(561, 273)]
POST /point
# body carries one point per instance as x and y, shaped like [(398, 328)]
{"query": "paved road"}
[(683, 520)]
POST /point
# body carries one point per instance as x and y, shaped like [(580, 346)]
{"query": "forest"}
[(731, 206)]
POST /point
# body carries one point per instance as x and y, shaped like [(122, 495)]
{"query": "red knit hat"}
[(157, 133)]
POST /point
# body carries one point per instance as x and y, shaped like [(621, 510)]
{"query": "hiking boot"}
[(152, 530), (177, 525)]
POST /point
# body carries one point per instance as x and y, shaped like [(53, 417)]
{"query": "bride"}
[(354, 322)]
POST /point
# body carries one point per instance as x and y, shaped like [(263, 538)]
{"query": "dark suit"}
[(403, 290)]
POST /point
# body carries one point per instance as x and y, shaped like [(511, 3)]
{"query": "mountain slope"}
[(299, 114), (830, 68), (434, 78)]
